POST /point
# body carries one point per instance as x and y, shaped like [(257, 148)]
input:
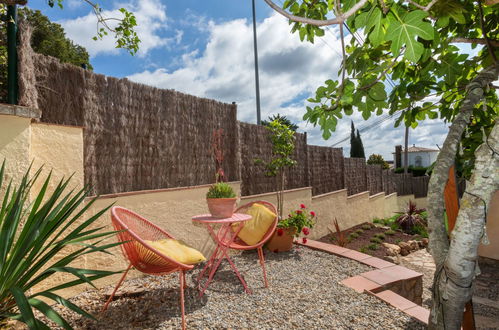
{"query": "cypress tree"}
[(353, 141), (360, 147)]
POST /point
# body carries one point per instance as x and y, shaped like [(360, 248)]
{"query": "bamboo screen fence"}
[(138, 137)]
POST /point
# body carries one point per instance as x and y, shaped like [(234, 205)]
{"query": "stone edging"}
[(385, 282), (20, 111)]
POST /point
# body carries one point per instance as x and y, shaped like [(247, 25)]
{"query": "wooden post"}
[(452, 209)]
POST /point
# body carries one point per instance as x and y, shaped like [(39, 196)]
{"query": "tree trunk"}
[(456, 262), (456, 276)]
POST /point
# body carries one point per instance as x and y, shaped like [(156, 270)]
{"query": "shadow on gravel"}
[(150, 309)]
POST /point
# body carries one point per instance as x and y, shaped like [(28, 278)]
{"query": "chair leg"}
[(185, 282), (262, 262), (182, 286), (116, 288)]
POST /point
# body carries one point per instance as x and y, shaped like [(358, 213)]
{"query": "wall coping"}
[(358, 195), (274, 192), (391, 195), (20, 111), (33, 122), (153, 191), (329, 194), (378, 195)]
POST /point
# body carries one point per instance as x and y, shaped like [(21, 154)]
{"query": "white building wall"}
[(426, 158)]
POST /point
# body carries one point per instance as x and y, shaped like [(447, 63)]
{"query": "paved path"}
[(485, 296)]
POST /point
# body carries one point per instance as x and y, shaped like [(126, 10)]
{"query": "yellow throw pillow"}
[(254, 229), (177, 251)]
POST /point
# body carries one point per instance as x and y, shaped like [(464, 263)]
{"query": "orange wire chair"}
[(240, 245), (133, 231)]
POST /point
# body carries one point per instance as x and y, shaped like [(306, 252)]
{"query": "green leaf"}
[(49, 312), (404, 32), (377, 92), (25, 308)]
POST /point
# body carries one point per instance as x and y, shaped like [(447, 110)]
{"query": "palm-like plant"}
[(411, 218), (32, 234)]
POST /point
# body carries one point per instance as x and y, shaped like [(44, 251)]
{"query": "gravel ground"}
[(304, 293)]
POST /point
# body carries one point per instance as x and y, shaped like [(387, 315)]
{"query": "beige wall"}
[(292, 199), (492, 250), (58, 149), (15, 135), (350, 210), (403, 201)]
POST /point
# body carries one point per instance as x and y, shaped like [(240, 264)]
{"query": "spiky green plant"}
[(32, 234), (221, 190)]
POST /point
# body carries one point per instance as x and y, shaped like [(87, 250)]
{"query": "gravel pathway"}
[(304, 293)]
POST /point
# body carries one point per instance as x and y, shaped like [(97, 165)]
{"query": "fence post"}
[(12, 86)]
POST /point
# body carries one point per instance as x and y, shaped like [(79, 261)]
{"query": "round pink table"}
[(223, 239)]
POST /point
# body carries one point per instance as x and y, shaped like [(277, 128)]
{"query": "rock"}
[(393, 259), (413, 245), (392, 249), (405, 248)]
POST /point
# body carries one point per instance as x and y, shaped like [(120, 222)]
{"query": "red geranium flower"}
[(312, 213), (304, 240), (305, 230), (302, 206), (298, 211), (280, 231)]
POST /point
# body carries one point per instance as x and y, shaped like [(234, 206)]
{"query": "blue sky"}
[(205, 48)]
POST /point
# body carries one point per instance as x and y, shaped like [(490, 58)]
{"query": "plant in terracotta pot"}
[(298, 222), (221, 200)]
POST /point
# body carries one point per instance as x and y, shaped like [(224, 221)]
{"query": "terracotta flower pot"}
[(221, 207), (283, 242)]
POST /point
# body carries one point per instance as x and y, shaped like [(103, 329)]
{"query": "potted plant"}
[(221, 200), (297, 222)]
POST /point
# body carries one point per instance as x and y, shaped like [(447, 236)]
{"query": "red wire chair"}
[(133, 231), (238, 244)]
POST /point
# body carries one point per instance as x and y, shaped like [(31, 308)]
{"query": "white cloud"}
[(224, 70), (290, 71), (151, 19)]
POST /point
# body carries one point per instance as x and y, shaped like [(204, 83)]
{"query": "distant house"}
[(417, 156)]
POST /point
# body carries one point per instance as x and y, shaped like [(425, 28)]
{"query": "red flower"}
[(312, 213), (302, 206), (280, 231), (298, 211), (305, 230), (304, 240)]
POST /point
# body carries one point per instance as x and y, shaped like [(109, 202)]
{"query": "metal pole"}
[(12, 86), (257, 79)]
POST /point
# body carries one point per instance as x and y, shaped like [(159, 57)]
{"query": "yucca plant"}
[(411, 218), (32, 234)]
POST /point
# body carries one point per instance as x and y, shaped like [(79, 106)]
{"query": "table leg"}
[(220, 253)]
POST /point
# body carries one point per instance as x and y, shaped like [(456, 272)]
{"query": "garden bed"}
[(369, 238)]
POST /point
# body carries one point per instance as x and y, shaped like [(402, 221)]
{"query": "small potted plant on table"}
[(221, 200), (297, 222)]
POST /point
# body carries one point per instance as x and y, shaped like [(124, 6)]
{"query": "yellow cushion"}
[(177, 251), (254, 229)]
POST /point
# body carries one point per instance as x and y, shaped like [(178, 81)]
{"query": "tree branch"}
[(484, 32), (477, 41), (344, 55), (337, 20), (427, 8), (439, 242)]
